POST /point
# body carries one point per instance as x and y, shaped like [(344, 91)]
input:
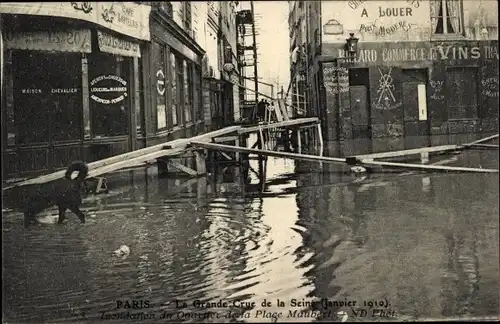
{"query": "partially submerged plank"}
[(425, 167), (288, 155), (286, 123), (392, 154), (179, 143)]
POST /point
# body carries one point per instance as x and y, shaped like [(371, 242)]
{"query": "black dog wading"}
[(65, 193)]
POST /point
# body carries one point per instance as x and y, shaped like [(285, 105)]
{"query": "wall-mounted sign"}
[(375, 20), (63, 41), (160, 82), (127, 18), (108, 89), (114, 45)]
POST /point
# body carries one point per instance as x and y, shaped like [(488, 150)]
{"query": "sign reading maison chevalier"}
[(114, 45), (126, 18)]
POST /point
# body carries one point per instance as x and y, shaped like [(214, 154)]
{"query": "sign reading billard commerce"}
[(108, 89)]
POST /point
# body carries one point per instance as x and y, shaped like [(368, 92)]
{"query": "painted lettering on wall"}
[(336, 79), (375, 29), (437, 87), (490, 52), (490, 87), (386, 99), (385, 54), (108, 90)]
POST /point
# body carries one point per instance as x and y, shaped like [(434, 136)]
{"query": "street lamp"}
[(352, 46)]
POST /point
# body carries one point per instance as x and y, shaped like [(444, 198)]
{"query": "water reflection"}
[(426, 242)]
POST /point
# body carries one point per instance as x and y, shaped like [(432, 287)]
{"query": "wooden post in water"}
[(320, 137), (299, 141)]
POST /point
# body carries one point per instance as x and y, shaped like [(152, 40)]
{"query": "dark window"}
[(47, 96), (188, 90), (446, 16), (175, 89), (359, 77), (109, 86), (160, 86)]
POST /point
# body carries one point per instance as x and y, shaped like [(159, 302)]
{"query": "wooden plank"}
[(282, 107), (225, 139), (482, 140), (277, 111), (286, 123), (425, 167), (127, 163), (382, 155), (182, 168), (486, 146), (294, 156), (179, 143)]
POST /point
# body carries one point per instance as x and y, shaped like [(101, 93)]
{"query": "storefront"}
[(394, 90), (173, 77), (72, 87)]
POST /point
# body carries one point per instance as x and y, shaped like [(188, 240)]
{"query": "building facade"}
[(71, 83), (89, 80), (422, 67)]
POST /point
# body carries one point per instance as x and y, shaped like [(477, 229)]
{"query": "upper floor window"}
[(446, 17)]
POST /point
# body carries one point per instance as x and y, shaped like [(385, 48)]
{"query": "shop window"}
[(446, 17), (175, 89), (109, 85), (160, 86), (47, 96), (198, 94), (139, 116), (188, 90)]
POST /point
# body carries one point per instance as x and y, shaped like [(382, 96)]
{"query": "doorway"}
[(48, 109), (359, 84), (416, 121)]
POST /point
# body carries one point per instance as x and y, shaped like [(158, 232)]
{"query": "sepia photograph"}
[(250, 161)]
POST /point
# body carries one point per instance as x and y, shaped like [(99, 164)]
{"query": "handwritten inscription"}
[(490, 87), (374, 28), (436, 86), (336, 79)]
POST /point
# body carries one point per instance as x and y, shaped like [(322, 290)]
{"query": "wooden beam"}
[(383, 155), (486, 146), (425, 167), (482, 140), (225, 139), (127, 163), (294, 156), (286, 123), (179, 143), (182, 168)]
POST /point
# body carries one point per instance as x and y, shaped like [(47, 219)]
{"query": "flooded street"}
[(384, 246)]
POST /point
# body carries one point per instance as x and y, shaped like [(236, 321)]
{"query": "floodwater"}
[(389, 246)]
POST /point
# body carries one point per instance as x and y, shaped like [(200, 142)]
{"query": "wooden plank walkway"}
[(286, 123), (130, 158), (294, 156), (382, 155)]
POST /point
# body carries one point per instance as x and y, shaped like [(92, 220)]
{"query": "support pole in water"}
[(299, 142), (320, 137)]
